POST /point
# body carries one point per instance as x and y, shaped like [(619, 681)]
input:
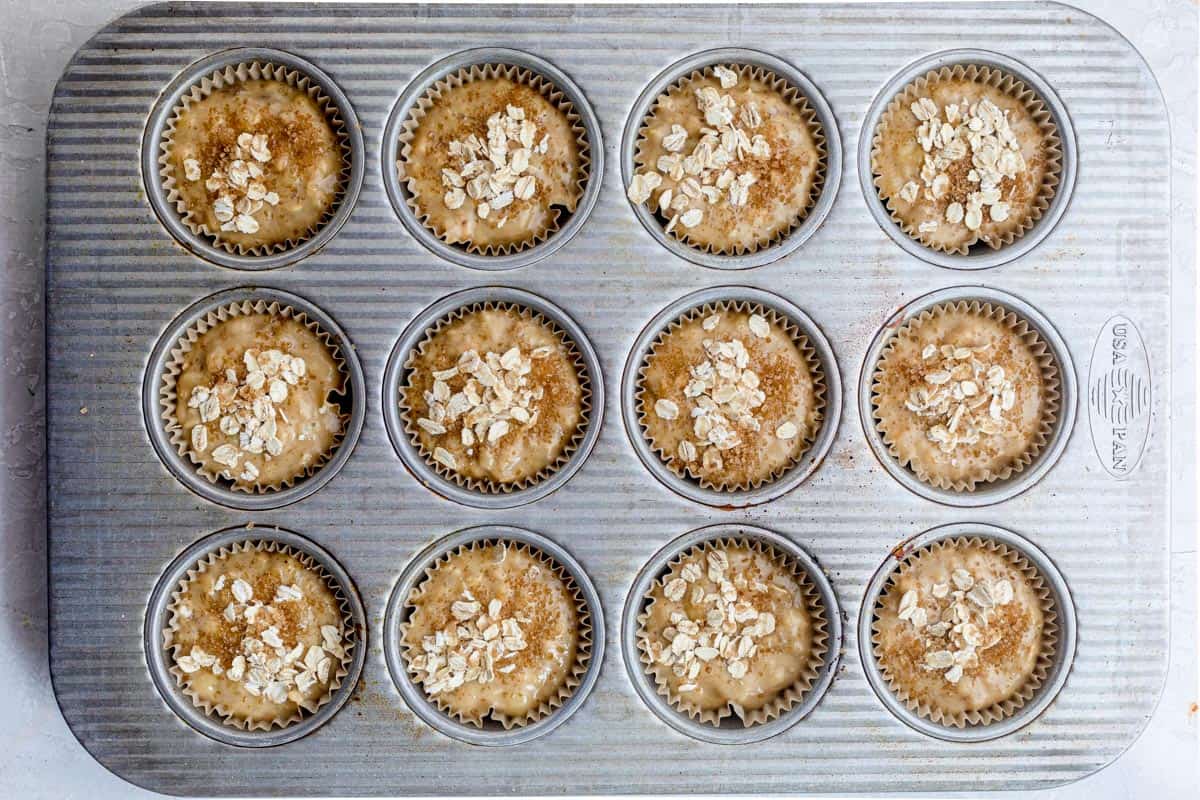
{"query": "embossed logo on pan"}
[(1119, 397)]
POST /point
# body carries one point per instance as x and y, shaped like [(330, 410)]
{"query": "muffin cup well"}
[(578, 670), (167, 434), (490, 730), (1014, 78), (461, 68), (792, 706), (812, 344), (1050, 384), (213, 720), (1053, 665), (790, 696), (796, 87), (199, 81), (518, 75), (1058, 374), (401, 426)]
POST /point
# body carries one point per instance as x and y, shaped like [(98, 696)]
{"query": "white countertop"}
[(39, 758)]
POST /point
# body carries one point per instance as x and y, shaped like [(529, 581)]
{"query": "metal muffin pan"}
[(183, 469), (158, 661), (731, 730), (833, 156), (1064, 654), (491, 733), (980, 256), (156, 126), (985, 494), (116, 279), (798, 473), (398, 194), (395, 372)]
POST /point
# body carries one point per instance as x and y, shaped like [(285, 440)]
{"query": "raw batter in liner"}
[(786, 178), (528, 590), (303, 169), (785, 377), (898, 157), (527, 449), (307, 422), (463, 110), (203, 624), (902, 368), (784, 658), (998, 673)]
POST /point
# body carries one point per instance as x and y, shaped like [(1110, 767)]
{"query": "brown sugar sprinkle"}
[(778, 173), (294, 140), (270, 335), (958, 626)]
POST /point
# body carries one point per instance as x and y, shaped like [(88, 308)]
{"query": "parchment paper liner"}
[(807, 351), (1050, 391), (1045, 661), (1052, 146), (490, 486), (788, 697), (583, 641), (174, 367), (789, 93), (349, 631), (228, 75), (521, 75)]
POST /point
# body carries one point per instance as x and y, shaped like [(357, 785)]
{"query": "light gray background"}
[(38, 755)]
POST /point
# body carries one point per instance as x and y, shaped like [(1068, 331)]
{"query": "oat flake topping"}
[(963, 396), (267, 666), (722, 390), (495, 399), (240, 190), (729, 632), (481, 643), (967, 156), (246, 410), (710, 172), (491, 171), (953, 620)]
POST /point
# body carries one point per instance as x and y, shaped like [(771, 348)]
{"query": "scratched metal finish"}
[(116, 278)]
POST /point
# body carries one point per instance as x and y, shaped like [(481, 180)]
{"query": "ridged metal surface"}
[(117, 518)]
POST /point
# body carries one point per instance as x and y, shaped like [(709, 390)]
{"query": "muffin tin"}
[(116, 279)]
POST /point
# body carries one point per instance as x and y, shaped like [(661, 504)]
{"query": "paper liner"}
[(789, 697), (521, 75), (583, 642), (308, 707), (1038, 112), (1045, 662), (790, 93), (671, 460), (489, 486), (1050, 388), (226, 76), (167, 396)]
